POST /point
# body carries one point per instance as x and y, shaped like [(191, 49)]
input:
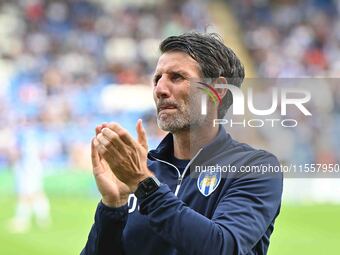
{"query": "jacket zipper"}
[(180, 177)]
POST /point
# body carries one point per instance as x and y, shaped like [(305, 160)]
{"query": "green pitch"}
[(312, 229), (73, 200), (72, 219), (307, 230)]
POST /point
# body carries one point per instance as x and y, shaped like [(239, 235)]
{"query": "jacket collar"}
[(220, 143), (165, 149)]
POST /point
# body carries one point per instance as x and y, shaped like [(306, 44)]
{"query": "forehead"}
[(177, 61)]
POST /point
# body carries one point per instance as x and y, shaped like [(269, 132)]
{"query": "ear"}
[(221, 91)]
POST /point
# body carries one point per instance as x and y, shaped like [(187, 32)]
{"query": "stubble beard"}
[(187, 116)]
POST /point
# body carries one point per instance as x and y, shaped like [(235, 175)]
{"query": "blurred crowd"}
[(57, 56), (297, 43), (290, 38)]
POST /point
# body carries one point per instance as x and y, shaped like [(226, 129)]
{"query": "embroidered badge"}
[(207, 182)]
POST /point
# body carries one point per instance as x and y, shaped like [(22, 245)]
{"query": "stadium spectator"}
[(28, 172)]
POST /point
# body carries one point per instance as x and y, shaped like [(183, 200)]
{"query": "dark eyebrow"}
[(155, 77), (180, 72)]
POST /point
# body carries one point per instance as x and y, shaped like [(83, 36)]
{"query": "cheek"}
[(184, 101), (154, 96), (193, 97), (185, 94)]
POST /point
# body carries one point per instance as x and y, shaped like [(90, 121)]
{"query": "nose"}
[(162, 89)]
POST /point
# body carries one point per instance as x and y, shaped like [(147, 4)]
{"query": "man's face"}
[(176, 111)]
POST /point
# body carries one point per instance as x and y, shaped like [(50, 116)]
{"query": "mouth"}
[(166, 108)]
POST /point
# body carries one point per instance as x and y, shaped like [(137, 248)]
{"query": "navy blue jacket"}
[(237, 217)]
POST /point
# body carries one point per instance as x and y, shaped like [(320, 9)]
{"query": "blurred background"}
[(66, 66)]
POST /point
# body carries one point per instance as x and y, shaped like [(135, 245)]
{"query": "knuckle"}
[(106, 131), (106, 154), (101, 140), (99, 136), (101, 150), (114, 136), (106, 143), (123, 134), (113, 125), (109, 134)]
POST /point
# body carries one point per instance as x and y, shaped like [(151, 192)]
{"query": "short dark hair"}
[(214, 58)]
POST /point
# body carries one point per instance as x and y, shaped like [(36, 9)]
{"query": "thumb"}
[(141, 134)]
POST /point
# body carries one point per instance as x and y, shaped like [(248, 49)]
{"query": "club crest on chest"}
[(207, 182)]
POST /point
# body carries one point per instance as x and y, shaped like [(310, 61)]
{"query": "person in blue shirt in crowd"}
[(150, 203), (28, 169)]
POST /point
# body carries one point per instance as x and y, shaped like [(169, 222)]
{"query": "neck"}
[(188, 142)]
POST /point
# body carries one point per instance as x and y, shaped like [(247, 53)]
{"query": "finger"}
[(122, 133), (94, 154), (112, 145), (142, 139), (108, 157), (101, 150), (113, 139), (96, 157), (100, 127)]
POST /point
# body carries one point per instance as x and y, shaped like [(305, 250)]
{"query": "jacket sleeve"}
[(241, 218), (106, 232)]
